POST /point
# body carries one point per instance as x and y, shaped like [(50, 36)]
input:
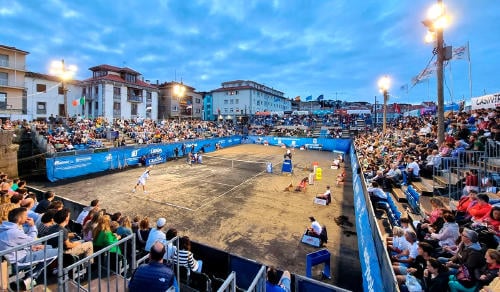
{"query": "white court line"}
[(213, 199), (231, 189), (164, 203)]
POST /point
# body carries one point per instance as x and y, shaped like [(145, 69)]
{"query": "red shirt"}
[(479, 210)]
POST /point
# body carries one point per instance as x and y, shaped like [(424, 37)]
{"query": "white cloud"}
[(204, 77), (150, 58), (70, 14)]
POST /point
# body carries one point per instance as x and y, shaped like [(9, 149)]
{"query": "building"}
[(179, 101), (45, 96), (12, 71), (114, 92), (242, 98)]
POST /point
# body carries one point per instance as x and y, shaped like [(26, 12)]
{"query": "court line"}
[(233, 188), (163, 203)]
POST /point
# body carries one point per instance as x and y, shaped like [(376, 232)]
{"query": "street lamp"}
[(383, 85), (436, 22), (59, 69), (179, 91)]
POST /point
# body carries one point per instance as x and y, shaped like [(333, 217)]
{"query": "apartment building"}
[(242, 98), (12, 71), (179, 101), (114, 92)]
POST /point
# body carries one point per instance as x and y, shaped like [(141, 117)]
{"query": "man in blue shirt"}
[(154, 276), (276, 284)]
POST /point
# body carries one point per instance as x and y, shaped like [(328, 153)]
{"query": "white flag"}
[(460, 53)]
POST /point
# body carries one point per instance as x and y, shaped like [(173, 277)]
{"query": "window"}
[(236, 101), (231, 110), (41, 108), (116, 106), (84, 91), (60, 90), (174, 108), (96, 90), (41, 88), (116, 91), (149, 96), (225, 101), (197, 110), (4, 60), (225, 110), (231, 101), (197, 100), (4, 78), (133, 109)]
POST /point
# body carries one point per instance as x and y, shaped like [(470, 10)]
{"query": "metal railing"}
[(113, 269), (229, 284), (17, 276), (259, 282)]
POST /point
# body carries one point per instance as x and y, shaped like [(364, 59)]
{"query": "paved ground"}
[(245, 212)]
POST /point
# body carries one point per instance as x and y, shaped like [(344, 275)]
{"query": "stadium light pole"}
[(436, 22), (383, 85), (59, 69), (179, 91)]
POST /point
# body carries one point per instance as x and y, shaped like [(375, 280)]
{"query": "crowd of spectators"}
[(454, 246)]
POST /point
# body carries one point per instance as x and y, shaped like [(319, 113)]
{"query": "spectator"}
[(154, 276), (276, 284), (327, 195), (469, 254), (43, 205), (186, 258), (376, 193), (12, 235), (76, 248), (143, 233), (46, 222), (103, 237), (435, 276), (403, 260), (481, 208), (83, 216), (156, 234), (315, 229), (170, 247)]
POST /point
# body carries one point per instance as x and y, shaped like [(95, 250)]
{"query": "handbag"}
[(413, 284), (463, 274)]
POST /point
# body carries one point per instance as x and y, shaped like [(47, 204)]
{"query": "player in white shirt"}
[(142, 180)]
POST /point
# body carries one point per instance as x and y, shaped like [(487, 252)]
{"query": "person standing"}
[(142, 180), (155, 276)]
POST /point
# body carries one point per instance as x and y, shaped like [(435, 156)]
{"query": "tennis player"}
[(142, 180)]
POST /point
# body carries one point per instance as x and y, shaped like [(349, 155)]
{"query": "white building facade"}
[(45, 96), (114, 92), (243, 98)]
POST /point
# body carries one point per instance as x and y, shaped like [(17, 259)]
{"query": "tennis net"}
[(234, 163)]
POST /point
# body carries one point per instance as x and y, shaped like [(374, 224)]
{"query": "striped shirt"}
[(186, 259)]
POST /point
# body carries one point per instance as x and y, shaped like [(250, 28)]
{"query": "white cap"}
[(161, 222)]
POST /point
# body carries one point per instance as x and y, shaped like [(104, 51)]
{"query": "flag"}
[(82, 100), (309, 98), (320, 98), (425, 74), (397, 108), (460, 53)]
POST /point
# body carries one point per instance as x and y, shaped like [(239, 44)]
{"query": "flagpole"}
[(452, 90), (470, 69)]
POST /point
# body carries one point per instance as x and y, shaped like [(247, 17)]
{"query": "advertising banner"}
[(77, 165), (325, 144), (486, 101)]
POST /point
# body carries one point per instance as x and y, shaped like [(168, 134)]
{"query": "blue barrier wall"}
[(372, 276), (342, 145), (81, 164)]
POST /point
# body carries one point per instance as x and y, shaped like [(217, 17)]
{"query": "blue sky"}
[(337, 48)]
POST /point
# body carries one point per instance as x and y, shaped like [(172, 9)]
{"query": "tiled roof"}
[(13, 49), (49, 77), (113, 68), (121, 80)]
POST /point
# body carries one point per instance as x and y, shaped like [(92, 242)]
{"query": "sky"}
[(337, 48)]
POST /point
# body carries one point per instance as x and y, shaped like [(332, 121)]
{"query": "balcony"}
[(7, 83), (117, 97), (134, 98), (10, 65)]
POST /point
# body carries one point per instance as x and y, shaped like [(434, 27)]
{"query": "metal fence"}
[(17, 275)]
